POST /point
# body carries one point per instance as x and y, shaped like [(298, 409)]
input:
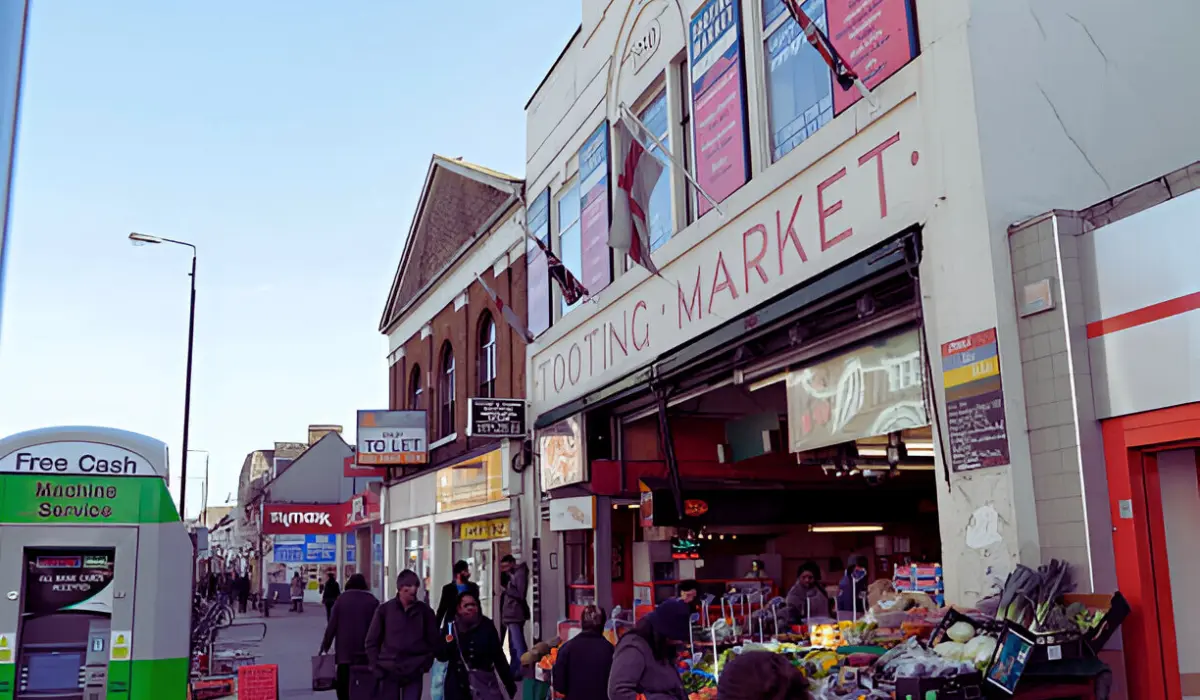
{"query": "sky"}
[(288, 140)]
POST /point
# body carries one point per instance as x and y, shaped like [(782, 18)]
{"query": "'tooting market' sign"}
[(869, 188)]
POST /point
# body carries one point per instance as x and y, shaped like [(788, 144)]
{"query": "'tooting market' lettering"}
[(770, 252)]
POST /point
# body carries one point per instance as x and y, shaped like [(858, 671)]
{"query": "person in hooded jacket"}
[(584, 662), (852, 590), (644, 661), (514, 610), (472, 644), (347, 630)]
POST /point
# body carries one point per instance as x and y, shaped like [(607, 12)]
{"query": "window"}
[(414, 389), (799, 84), (487, 356), (570, 245), (416, 553), (654, 116), (446, 391), (685, 128), (538, 274)]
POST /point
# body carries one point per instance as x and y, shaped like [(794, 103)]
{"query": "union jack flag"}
[(572, 289), (845, 75)]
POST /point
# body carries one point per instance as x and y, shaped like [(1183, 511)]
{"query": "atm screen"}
[(53, 672)]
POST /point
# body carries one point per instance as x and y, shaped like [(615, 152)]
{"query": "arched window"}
[(487, 356), (415, 389), (446, 391)]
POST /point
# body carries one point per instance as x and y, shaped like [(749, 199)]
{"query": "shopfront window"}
[(799, 83), (579, 559), (471, 483), (416, 553), (654, 116)]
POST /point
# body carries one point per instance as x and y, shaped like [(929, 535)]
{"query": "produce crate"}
[(967, 686), (1117, 610), (1057, 646), (982, 625)]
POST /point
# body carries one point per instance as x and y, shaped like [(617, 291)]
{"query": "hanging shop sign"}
[(578, 513), (351, 469), (80, 458), (500, 418), (76, 500), (392, 437), (494, 529), (721, 149), (873, 390), (868, 189), (287, 519), (594, 211), (975, 422), (68, 580), (362, 509), (560, 450)]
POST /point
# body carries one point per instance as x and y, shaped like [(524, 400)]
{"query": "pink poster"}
[(718, 101), (593, 232), (875, 37)]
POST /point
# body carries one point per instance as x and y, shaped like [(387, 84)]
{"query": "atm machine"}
[(95, 569)]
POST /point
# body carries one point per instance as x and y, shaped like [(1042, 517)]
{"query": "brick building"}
[(449, 342)]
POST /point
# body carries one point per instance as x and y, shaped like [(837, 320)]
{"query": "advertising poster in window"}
[(718, 100), (594, 214), (537, 273), (61, 580), (875, 37)]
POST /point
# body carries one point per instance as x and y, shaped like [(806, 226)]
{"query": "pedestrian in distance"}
[(474, 656), (584, 663), (462, 583), (347, 629), (402, 640), (514, 610), (242, 586), (643, 664), (297, 591), (329, 595)]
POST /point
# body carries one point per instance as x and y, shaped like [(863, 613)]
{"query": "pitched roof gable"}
[(458, 202)]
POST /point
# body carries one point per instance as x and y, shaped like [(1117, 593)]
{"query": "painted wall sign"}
[(594, 210), (577, 513), (393, 437), (282, 519), (494, 529), (503, 418), (868, 189), (718, 100), (84, 500), (645, 45), (86, 458), (974, 402), (876, 38)]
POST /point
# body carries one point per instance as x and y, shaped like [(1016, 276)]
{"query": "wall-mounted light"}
[(845, 528)]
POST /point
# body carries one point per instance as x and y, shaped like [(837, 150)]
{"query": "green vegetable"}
[(961, 632)]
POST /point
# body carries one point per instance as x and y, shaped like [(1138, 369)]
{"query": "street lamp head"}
[(143, 239)]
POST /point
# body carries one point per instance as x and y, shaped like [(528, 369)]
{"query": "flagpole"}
[(671, 157)]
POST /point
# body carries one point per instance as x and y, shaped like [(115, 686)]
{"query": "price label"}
[(1054, 653)]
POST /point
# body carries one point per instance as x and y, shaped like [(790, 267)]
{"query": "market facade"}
[(839, 360), (455, 321)]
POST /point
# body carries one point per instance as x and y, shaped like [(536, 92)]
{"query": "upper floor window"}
[(537, 274), (487, 356), (799, 83), (570, 243), (414, 389), (446, 391), (654, 116)]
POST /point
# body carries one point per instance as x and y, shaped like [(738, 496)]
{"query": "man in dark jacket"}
[(462, 583), (514, 611), (581, 671), (329, 595), (402, 639), (347, 630)]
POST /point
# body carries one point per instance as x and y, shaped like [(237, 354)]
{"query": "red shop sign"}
[(290, 519)]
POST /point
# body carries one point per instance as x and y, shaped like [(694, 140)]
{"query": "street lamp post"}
[(143, 239)]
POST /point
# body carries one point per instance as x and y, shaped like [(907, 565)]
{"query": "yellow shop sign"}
[(495, 529)]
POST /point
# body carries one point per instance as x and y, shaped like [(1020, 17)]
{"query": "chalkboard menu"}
[(974, 402), (496, 417)]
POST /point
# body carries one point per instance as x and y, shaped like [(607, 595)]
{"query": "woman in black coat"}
[(472, 644), (584, 662), (347, 629)]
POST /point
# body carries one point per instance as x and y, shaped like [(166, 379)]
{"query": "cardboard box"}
[(967, 686)]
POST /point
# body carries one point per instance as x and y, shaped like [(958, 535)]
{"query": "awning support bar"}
[(667, 440)]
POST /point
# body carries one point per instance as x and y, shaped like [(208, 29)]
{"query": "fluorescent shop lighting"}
[(845, 528), (916, 467)]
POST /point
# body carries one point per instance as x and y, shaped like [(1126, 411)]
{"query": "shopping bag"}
[(324, 672), (437, 680)]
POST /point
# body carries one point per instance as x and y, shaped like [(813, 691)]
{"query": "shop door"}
[(482, 572), (73, 610), (1179, 481)]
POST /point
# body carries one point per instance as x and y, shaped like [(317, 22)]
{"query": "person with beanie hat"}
[(644, 661)]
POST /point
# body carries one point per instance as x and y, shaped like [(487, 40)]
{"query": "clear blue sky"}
[(288, 139)]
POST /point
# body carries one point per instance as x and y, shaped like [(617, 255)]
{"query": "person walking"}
[(514, 611), (402, 640), (474, 656), (297, 591), (347, 629), (462, 583), (644, 661), (329, 595), (584, 662), (242, 588)]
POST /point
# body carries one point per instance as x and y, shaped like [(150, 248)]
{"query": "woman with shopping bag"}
[(347, 631), (475, 665)]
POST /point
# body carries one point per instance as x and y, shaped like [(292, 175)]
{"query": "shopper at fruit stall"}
[(852, 591), (762, 675), (644, 661), (473, 655), (807, 596), (584, 662), (689, 593)]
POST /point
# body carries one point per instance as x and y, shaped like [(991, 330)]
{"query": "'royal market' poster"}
[(718, 100)]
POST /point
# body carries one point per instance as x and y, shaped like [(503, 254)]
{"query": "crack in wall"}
[(1091, 38), (1071, 138)]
